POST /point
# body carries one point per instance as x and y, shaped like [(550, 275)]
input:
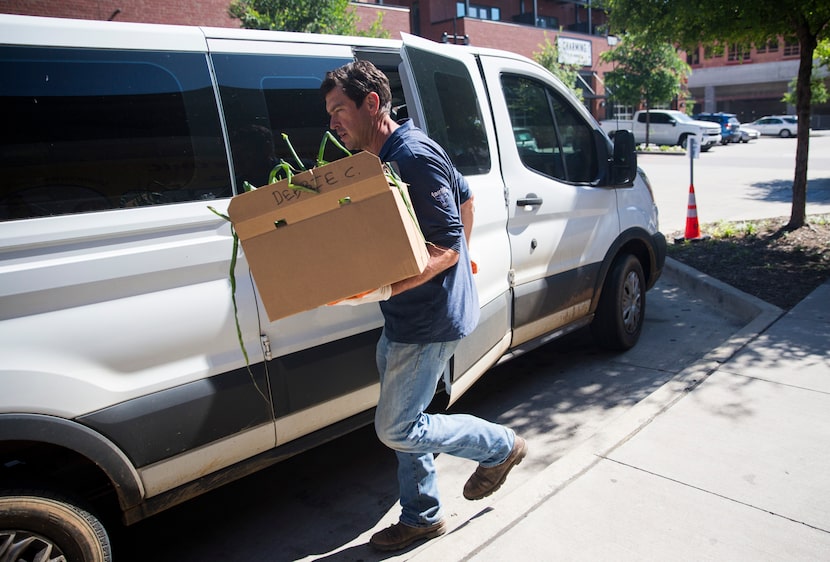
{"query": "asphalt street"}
[(738, 181)]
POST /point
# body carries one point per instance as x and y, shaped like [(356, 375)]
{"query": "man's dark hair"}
[(358, 79)]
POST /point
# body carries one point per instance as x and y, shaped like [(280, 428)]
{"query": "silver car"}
[(748, 134), (777, 125)]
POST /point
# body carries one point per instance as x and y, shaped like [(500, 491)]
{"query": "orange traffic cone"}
[(692, 226)]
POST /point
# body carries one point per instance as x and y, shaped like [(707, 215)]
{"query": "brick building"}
[(748, 82)]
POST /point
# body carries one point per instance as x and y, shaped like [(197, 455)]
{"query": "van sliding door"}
[(447, 81)]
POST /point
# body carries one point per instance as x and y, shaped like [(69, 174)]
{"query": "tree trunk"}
[(803, 94)]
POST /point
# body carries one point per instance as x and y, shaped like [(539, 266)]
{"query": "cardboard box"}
[(309, 249)]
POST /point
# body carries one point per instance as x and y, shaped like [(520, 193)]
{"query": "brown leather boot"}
[(400, 535), (485, 481)]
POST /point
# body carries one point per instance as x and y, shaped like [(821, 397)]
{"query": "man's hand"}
[(376, 295)]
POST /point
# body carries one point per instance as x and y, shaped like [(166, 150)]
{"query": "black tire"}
[(37, 525), (785, 133), (622, 306), (684, 140)]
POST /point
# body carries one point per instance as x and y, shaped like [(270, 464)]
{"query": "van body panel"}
[(64, 32), (90, 305)]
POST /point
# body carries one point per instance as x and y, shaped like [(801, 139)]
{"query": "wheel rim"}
[(632, 308), (23, 545)]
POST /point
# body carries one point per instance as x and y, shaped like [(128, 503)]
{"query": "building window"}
[(477, 11), (791, 48), (693, 57), (738, 53), (712, 51), (548, 22), (769, 46), (624, 112)]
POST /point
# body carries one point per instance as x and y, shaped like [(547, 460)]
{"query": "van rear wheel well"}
[(33, 465)]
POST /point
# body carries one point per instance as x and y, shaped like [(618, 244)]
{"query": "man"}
[(424, 316)]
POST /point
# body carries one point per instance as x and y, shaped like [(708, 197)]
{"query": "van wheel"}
[(622, 306), (784, 133), (42, 526)]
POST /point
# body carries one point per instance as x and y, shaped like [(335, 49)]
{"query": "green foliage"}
[(567, 73), (305, 16), (709, 22), (729, 229), (823, 52), (376, 29), (645, 70), (819, 91)]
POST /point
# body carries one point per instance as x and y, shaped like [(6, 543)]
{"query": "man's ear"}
[(373, 102)]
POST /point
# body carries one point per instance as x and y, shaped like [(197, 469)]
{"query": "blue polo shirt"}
[(446, 307)]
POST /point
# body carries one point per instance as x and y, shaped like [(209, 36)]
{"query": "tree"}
[(645, 72), (818, 94), (567, 73), (823, 52), (306, 16), (706, 22)]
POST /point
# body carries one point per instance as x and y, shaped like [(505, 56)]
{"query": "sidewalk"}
[(728, 461)]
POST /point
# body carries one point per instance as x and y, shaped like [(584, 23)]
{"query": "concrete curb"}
[(508, 511)]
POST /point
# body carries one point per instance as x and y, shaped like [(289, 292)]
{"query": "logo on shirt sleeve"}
[(443, 196)]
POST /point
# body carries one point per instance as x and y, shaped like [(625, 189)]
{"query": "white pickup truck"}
[(123, 389), (666, 127)]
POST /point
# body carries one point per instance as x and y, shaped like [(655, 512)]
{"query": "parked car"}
[(748, 134), (525, 139), (123, 388), (777, 125), (666, 127), (728, 122)]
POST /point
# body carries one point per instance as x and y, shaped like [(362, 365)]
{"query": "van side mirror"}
[(624, 163)]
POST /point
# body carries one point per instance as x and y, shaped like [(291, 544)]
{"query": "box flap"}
[(266, 203)]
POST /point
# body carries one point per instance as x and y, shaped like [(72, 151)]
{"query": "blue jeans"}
[(409, 375)]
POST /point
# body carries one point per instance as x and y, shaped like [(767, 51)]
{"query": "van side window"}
[(88, 130), (551, 136), (453, 115), (264, 96)]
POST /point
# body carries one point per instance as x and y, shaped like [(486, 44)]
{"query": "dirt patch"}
[(760, 257)]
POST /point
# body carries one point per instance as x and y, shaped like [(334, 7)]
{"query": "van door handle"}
[(529, 202)]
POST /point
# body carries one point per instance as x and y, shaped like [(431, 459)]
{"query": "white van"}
[(122, 384)]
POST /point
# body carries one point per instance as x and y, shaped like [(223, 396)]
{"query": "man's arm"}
[(467, 212), (440, 259)]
